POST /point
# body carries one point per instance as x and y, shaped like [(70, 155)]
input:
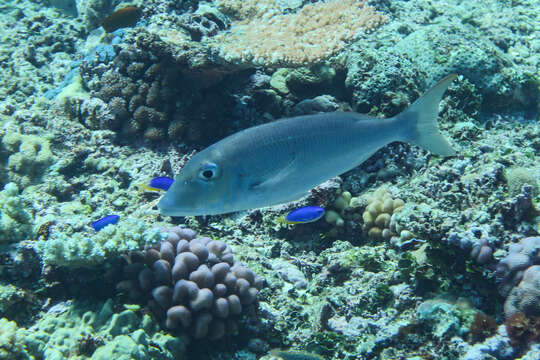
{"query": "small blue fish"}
[(158, 184), (161, 183), (107, 220), (304, 215)]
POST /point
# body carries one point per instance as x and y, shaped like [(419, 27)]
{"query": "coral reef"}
[(443, 317), (87, 116), (16, 222), (69, 330), (193, 283), (90, 248), (28, 156)]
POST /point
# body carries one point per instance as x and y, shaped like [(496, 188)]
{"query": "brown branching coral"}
[(523, 330), (482, 327)]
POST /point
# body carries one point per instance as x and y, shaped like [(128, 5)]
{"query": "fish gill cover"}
[(417, 256)]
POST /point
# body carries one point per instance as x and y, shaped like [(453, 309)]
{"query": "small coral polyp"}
[(192, 284)]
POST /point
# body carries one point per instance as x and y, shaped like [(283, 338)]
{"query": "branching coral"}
[(482, 327), (87, 249), (308, 36), (523, 330)]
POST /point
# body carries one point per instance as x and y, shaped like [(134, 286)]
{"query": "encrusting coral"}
[(192, 283)]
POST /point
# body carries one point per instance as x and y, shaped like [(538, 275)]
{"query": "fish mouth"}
[(167, 206)]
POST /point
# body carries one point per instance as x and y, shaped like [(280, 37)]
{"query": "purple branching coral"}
[(192, 283)]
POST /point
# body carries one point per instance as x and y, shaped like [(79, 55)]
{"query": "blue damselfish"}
[(161, 183), (107, 220), (304, 215)]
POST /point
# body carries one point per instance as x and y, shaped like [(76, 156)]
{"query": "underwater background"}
[(417, 256)]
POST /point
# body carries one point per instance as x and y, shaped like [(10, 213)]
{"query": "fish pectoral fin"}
[(277, 179)]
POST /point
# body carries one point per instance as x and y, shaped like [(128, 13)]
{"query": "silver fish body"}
[(281, 161)]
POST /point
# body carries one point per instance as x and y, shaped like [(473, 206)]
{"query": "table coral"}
[(308, 36)]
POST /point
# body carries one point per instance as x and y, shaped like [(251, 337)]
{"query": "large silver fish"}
[(281, 161)]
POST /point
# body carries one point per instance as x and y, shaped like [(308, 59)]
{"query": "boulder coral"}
[(482, 252), (520, 256), (519, 276), (192, 283), (525, 298)]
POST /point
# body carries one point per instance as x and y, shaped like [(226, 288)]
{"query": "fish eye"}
[(208, 171)]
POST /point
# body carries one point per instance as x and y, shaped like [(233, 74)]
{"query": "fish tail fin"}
[(422, 117)]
